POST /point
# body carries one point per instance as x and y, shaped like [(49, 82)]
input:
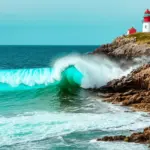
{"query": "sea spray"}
[(49, 118), (96, 70), (86, 71)]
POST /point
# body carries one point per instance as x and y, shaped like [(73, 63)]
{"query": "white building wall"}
[(146, 27)]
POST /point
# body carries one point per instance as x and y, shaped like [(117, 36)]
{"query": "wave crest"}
[(96, 70), (85, 71)]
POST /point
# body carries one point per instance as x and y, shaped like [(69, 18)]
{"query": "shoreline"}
[(133, 90)]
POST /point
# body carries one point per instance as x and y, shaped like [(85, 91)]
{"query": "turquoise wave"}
[(26, 79)]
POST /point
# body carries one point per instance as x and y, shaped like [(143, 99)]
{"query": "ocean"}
[(45, 104)]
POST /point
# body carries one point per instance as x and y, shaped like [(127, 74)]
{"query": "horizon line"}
[(49, 45)]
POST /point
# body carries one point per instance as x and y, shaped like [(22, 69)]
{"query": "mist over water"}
[(37, 113)]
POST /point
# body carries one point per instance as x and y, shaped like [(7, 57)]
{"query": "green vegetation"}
[(141, 38)]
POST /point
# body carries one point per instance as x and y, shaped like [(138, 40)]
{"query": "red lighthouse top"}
[(147, 11), (147, 16)]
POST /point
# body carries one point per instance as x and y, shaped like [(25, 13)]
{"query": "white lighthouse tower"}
[(146, 21)]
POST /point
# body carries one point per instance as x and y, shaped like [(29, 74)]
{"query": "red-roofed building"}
[(131, 31), (146, 21)]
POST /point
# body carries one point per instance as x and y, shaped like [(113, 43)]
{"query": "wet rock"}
[(141, 137), (133, 90), (113, 138)]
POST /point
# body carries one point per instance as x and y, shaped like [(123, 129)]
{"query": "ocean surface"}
[(45, 104)]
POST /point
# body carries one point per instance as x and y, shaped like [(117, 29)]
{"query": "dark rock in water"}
[(141, 137), (112, 138)]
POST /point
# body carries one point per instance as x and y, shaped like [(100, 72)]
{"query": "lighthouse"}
[(146, 21)]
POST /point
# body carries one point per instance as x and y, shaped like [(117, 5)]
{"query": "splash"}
[(96, 70), (73, 70)]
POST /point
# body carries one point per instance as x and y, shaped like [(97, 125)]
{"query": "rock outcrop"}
[(133, 90), (125, 47), (141, 137)]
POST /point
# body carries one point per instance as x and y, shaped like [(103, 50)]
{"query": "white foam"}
[(41, 125), (118, 146), (96, 70)]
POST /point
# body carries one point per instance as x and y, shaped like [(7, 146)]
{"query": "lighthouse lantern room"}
[(146, 21)]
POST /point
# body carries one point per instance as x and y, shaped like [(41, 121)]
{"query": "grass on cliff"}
[(142, 38)]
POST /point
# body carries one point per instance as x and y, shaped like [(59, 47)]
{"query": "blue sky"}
[(68, 22)]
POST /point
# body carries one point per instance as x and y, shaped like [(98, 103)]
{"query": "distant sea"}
[(50, 118)]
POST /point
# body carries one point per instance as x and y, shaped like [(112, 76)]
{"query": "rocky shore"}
[(133, 90), (126, 47)]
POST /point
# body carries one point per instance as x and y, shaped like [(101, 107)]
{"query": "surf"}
[(69, 71), (36, 126)]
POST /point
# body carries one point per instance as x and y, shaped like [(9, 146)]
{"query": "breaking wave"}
[(73, 70)]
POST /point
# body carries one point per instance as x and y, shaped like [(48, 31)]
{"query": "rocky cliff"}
[(127, 46), (134, 89)]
